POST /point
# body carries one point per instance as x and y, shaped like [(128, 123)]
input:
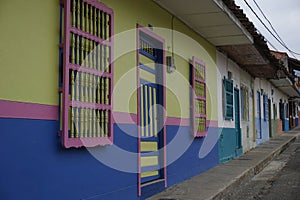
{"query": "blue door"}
[(238, 135), (151, 114), (258, 124)]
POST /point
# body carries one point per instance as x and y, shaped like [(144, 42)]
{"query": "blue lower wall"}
[(34, 165), (265, 133), (199, 154), (285, 125), (228, 145)]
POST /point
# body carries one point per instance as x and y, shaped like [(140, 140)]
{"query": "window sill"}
[(87, 142)]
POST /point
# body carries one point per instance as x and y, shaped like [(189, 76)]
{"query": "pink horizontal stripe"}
[(176, 121), (12, 109), (86, 142), (124, 118), (212, 123)]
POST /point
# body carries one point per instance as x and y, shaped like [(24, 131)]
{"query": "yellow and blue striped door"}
[(150, 97)]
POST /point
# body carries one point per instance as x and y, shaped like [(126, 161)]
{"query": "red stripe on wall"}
[(12, 109)]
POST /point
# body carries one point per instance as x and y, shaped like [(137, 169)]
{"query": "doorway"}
[(151, 104)]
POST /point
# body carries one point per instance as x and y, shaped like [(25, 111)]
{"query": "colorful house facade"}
[(110, 99), (255, 87)]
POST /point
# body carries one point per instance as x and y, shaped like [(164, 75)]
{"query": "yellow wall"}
[(186, 44), (29, 51)]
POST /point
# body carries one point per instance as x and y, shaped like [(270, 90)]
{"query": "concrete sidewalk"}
[(213, 183)]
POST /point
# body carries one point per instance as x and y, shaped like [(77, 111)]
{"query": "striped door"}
[(150, 162), (149, 110)]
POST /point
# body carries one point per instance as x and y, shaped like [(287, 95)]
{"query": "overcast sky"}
[(285, 18)]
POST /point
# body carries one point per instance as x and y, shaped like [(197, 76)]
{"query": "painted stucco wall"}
[(240, 78), (29, 61), (265, 87), (185, 44), (29, 54), (223, 66), (29, 73), (248, 137)]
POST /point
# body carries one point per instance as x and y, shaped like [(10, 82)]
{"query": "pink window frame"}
[(66, 102), (194, 115)]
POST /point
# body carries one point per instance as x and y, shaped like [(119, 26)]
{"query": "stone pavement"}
[(215, 182)]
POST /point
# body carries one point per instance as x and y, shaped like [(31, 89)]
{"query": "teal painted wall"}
[(228, 145)]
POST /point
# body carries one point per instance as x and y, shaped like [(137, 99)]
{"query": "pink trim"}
[(89, 36), (164, 112), (152, 34), (138, 109), (212, 123), (201, 134), (200, 98), (80, 104), (87, 142), (194, 79), (175, 121), (125, 118), (78, 142), (161, 40), (111, 54), (200, 80), (89, 70), (99, 5), (65, 102), (131, 118), (200, 115), (12, 109)]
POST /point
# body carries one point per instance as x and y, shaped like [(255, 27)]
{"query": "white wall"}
[(239, 77), (248, 129), (275, 97)]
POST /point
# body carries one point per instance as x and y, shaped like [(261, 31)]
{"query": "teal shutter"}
[(228, 99)]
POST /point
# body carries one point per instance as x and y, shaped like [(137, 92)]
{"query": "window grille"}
[(245, 103), (86, 80), (198, 100)]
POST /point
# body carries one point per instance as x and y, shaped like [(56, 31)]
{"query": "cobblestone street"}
[(279, 180)]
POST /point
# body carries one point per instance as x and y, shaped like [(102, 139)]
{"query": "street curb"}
[(251, 172)]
